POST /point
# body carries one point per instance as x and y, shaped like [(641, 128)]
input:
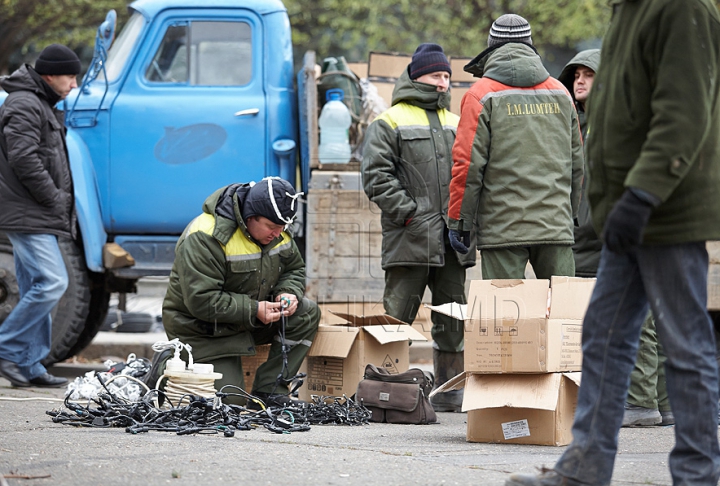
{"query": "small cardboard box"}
[(518, 409), (422, 322), (336, 361), (521, 326), (250, 364)]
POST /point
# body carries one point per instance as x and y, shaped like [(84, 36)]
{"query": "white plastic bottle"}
[(334, 123)]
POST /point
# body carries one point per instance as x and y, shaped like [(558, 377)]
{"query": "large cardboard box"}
[(524, 326), (337, 358), (518, 409)]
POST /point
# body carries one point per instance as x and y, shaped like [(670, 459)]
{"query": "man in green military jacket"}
[(406, 170), (237, 275), (578, 76)]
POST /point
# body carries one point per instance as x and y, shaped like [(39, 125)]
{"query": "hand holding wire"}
[(288, 302), (269, 312)]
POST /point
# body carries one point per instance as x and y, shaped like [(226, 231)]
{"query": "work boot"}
[(446, 365), (46, 380), (640, 416), (11, 372), (546, 477), (667, 418)]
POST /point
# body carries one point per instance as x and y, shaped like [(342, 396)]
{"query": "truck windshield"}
[(121, 48)]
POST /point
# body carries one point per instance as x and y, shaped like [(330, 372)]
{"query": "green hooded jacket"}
[(518, 159), (219, 275), (406, 169), (655, 117), (586, 249)]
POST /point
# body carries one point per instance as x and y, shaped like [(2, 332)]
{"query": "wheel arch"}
[(87, 201)]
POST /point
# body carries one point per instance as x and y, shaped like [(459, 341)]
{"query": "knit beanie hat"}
[(428, 58), (509, 28), (273, 198), (57, 59)]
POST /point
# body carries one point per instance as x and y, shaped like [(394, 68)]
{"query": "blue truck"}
[(189, 96)]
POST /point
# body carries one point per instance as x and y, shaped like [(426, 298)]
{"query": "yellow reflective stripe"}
[(403, 115), (240, 247), (204, 223), (284, 244), (448, 119)]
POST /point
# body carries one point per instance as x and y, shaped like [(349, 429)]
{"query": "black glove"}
[(459, 240), (625, 224)]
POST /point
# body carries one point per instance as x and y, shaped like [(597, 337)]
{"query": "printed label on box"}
[(516, 429), (324, 371)]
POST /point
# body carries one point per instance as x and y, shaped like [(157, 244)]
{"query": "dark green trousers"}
[(404, 289), (546, 260), (299, 333), (647, 381)]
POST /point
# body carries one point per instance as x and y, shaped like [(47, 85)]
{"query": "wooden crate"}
[(343, 247)]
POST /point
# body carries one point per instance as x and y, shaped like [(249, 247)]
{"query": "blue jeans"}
[(26, 334), (673, 279)]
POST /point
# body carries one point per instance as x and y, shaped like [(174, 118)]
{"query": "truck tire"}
[(9, 290), (70, 315), (71, 312)]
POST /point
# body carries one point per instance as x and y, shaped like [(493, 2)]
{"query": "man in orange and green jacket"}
[(517, 161)]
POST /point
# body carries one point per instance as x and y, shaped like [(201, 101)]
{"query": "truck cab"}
[(189, 97)]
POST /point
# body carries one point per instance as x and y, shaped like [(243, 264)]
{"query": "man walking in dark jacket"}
[(654, 161), (37, 201)]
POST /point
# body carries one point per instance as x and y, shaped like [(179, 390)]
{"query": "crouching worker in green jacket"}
[(237, 276)]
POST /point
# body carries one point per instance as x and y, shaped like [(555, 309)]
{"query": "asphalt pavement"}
[(36, 451)]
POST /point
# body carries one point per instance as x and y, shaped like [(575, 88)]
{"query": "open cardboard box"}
[(336, 361), (518, 409), (523, 326)]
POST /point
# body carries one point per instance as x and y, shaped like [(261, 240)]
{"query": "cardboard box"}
[(360, 69), (519, 326), (387, 64), (459, 75), (250, 364), (518, 409), (329, 314), (337, 358)]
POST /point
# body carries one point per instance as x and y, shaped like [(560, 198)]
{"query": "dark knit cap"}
[(428, 58), (273, 198), (57, 59), (509, 28)]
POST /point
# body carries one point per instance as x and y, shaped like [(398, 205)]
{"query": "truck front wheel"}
[(70, 317)]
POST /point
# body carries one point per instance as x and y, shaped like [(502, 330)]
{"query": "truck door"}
[(190, 119)]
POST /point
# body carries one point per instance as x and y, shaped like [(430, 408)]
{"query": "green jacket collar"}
[(512, 64), (422, 95)]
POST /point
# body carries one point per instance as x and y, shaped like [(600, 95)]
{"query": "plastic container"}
[(335, 121)]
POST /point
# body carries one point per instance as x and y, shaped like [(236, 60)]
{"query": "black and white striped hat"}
[(273, 198), (509, 28)]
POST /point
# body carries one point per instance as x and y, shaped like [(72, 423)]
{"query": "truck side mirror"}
[(106, 31)]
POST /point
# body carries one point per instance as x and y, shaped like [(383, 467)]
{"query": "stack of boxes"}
[(522, 358)]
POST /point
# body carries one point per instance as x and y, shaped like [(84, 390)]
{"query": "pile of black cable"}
[(194, 414)]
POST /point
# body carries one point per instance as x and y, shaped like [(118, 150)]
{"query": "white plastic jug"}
[(334, 123)]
